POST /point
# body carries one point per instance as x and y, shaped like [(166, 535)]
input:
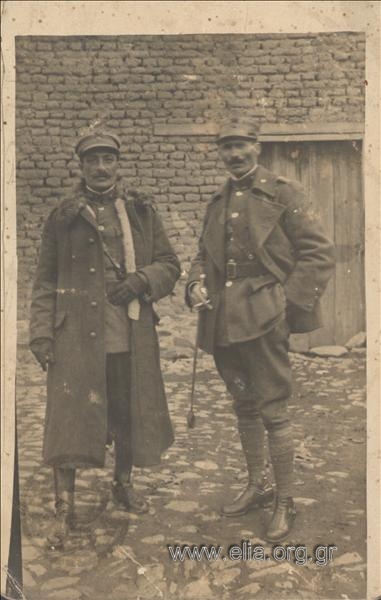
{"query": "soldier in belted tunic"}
[(104, 259), (263, 262)]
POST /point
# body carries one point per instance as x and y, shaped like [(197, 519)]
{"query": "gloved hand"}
[(42, 349), (124, 291), (198, 295)]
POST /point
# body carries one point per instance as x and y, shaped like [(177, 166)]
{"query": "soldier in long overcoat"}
[(262, 265), (104, 259)]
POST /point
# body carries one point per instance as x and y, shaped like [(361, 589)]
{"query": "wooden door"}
[(332, 174)]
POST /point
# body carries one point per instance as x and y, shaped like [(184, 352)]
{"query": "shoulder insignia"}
[(294, 184)]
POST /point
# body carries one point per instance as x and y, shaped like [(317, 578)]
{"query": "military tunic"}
[(117, 327), (282, 257), (238, 252)]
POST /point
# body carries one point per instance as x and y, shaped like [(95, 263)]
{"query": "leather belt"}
[(235, 270)]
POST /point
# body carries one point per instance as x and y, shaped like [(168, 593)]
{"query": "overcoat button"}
[(235, 215), (238, 193), (228, 283), (91, 240), (93, 304), (93, 334), (101, 228), (250, 256), (92, 270)]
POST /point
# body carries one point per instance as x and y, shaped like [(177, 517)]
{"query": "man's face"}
[(239, 155), (100, 169)]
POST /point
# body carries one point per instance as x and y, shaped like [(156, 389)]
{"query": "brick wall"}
[(132, 84)]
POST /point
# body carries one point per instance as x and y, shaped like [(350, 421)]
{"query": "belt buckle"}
[(231, 269)]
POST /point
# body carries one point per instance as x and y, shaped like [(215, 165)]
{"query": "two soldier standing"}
[(262, 264)]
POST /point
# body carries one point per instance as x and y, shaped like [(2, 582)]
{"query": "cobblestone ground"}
[(114, 554)]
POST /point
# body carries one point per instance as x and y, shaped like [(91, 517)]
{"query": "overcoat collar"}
[(76, 202), (263, 213)]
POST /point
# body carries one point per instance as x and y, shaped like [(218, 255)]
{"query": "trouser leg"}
[(271, 378), (258, 375), (270, 371), (64, 482), (118, 396), (118, 375), (250, 424), (251, 431)]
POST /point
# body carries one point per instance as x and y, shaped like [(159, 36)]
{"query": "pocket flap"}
[(256, 283)]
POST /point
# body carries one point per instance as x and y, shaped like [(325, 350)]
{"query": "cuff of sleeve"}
[(188, 289), (140, 283)]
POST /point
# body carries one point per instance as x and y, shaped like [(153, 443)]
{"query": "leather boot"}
[(64, 504), (282, 520), (124, 493), (257, 493)]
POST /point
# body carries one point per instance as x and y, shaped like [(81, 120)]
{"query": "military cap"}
[(242, 128), (97, 139)]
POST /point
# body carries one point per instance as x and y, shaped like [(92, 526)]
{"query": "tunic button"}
[(101, 228), (228, 283), (94, 304), (92, 270), (235, 215), (238, 193), (250, 256), (93, 334), (91, 240), (101, 208)]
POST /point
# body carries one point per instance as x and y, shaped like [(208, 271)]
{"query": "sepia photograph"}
[(189, 406)]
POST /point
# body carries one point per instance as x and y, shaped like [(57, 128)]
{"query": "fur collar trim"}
[(76, 200)]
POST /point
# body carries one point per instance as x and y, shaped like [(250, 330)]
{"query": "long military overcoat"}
[(68, 306), (287, 237)]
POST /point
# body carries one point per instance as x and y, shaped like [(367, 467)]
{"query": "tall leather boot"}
[(282, 456), (282, 519), (64, 480), (122, 488), (258, 491)]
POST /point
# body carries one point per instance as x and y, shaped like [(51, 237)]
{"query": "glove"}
[(42, 349), (198, 295), (124, 291)]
